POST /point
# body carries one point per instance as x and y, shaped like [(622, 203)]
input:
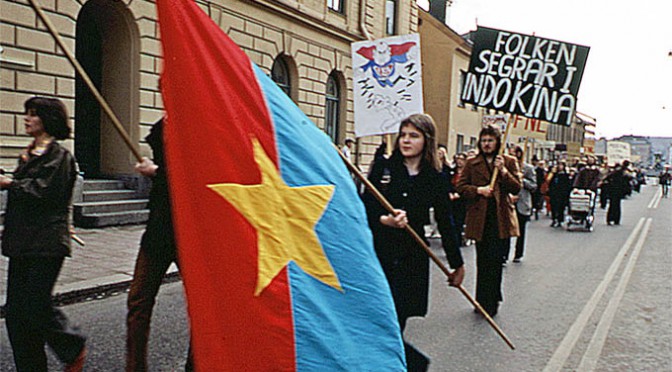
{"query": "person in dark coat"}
[(558, 189), (36, 238), (410, 180), (588, 178), (157, 252), (538, 195), (665, 178), (618, 184), (491, 218)]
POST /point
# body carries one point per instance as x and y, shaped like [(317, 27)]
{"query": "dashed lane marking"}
[(592, 354), (561, 354)]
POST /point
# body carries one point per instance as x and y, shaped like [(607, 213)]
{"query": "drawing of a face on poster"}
[(387, 83)]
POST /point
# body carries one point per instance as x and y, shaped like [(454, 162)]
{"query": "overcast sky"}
[(627, 83)]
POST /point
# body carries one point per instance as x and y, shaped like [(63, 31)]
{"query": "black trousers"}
[(520, 241), (489, 271), (31, 319), (614, 211), (416, 361), (558, 210)]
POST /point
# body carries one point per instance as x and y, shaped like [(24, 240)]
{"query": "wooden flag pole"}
[(77, 239), (117, 124), (386, 204), (505, 138)]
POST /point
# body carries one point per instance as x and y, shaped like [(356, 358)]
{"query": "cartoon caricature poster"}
[(387, 83)]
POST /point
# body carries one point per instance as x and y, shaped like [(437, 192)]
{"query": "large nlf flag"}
[(276, 256)]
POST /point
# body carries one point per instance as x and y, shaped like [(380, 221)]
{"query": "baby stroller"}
[(581, 209)]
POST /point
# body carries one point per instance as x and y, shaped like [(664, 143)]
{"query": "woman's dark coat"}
[(617, 184), (38, 205), (405, 263), (559, 188)]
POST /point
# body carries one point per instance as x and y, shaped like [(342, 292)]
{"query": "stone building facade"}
[(445, 58), (303, 45)]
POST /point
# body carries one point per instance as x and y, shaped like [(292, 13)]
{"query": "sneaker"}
[(77, 365), (517, 259)]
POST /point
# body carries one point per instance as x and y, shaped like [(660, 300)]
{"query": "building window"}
[(332, 110), (463, 78), (336, 5), (472, 143), (391, 17), (280, 75), (460, 144)]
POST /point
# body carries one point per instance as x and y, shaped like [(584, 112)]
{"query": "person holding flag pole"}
[(488, 182), (410, 179), (150, 265), (422, 244)]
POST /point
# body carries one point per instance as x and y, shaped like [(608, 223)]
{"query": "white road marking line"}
[(655, 200), (660, 197), (561, 354), (592, 354)]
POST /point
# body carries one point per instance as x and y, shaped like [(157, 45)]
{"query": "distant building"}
[(662, 146), (640, 148), (569, 140), (589, 126)]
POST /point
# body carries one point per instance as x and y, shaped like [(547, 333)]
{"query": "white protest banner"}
[(387, 83), (498, 120), (525, 75)]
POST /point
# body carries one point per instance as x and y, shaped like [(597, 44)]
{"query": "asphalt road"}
[(104, 323), (579, 301)]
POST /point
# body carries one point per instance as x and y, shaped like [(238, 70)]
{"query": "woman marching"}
[(36, 239), (411, 181), (558, 191)]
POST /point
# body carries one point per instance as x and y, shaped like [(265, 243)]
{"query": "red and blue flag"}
[(275, 251)]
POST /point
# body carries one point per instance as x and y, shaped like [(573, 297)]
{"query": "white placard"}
[(387, 83)]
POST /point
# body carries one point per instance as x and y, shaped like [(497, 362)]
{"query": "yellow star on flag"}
[(285, 219)]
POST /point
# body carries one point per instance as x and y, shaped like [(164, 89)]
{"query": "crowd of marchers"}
[(485, 196)]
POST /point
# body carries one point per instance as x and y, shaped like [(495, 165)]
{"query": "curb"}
[(97, 292)]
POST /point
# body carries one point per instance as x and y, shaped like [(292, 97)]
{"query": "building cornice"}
[(289, 10)]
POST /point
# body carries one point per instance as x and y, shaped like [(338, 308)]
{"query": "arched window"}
[(280, 74), (332, 111)]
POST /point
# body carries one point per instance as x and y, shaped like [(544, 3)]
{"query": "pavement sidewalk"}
[(106, 262)]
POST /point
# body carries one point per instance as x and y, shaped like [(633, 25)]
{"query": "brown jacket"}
[(475, 174)]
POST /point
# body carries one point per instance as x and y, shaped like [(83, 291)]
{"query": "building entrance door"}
[(107, 47)]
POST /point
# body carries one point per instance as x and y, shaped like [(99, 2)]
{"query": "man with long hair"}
[(491, 217)]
